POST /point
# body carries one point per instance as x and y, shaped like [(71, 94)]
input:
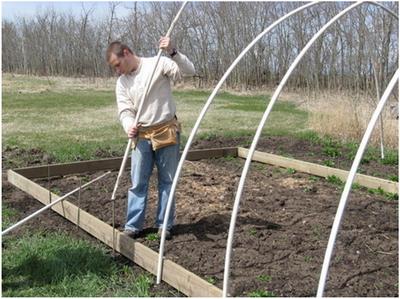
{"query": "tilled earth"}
[(282, 230)]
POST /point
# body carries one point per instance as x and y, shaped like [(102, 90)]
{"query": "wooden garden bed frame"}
[(175, 275)]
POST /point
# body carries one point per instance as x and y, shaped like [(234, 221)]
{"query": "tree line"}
[(361, 45)]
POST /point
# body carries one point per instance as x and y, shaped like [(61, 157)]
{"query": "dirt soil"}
[(282, 230)]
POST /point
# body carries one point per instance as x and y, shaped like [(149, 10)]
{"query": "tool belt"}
[(161, 135)]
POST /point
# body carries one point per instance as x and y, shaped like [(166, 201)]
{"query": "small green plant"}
[(291, 171), (261, 293), (152, 237), (394, 178), (330, 147), (85, 179), (332, 151), (381, 192), (211, 279), (310, 136), (356, 186), (55, 190), (229, 158), (307, 259), (264, 278), (333, 179), (329, 163), (313, 178), (253, 231), (392, 196), (391, 158), (378, 191)]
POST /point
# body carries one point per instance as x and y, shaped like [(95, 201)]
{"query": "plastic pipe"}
[(257, 137), (197, 124), (384, 8), (378, 93), (52, 204), (349, 182), (136, 121)]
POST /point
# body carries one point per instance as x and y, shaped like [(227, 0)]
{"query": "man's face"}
[(120, 64)]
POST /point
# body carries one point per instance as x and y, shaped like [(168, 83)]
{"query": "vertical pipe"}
[(349, 182), (197, 124), (78, 218), (378, 95)]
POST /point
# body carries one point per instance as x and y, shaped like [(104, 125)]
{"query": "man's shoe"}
[(131, 233), (168, 235)]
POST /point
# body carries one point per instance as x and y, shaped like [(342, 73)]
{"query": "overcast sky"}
[(12, 9)]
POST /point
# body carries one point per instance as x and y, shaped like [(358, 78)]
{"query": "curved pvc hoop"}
[(257, 137), (197, 124), (52, 204), (384, 8), (259, 131), (349, 182), (147, 88)]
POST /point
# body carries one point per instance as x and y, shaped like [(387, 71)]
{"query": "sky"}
[(13, 9)]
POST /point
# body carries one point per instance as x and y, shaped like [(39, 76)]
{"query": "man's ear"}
[(126, 52)]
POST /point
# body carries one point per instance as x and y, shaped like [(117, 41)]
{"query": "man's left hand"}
[(166, 44)]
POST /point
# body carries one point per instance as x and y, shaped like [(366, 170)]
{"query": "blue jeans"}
[(143, 159)]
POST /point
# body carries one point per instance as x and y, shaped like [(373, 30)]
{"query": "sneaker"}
[(131, 233), (167, 234)]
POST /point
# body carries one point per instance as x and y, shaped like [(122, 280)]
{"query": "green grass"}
[(8, 216), (264, 278), (291, 170), (153, 237), (253, 231), (334, 148), (261, 293), (58, 265), (381, 192), (211, 279), (73, 124)]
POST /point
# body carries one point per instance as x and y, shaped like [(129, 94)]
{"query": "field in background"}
[(82, 112), (74, 121), (345, 116)]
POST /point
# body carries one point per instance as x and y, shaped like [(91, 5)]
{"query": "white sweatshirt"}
[(159, 105)]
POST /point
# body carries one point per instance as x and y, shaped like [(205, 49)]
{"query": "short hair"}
[(116, 48)]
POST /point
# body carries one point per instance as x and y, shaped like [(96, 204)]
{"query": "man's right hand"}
[(133, 132)]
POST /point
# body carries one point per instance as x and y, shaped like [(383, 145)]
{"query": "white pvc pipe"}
[(257, 137), (384, 8), (141, 102), (349, 182), (52, 204), (197, 124), (378, 92)]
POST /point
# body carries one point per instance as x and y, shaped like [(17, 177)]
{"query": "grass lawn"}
[(73, 123)]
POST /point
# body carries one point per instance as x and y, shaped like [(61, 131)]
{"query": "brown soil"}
[(281, 233)]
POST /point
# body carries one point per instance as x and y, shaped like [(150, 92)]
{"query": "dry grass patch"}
[(347, 116)]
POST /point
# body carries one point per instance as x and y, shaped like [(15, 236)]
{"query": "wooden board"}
[(112, 163), (181, 279), (320, 170)]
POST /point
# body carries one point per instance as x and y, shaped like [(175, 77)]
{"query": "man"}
[(156, 137)]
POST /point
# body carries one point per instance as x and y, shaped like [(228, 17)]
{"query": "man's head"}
[(121, 58)]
